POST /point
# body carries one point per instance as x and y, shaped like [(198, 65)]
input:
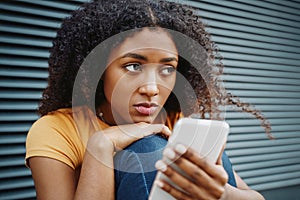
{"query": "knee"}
[(143, 153), (148, 144)]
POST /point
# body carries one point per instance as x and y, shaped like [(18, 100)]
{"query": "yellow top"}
[(63, 134)]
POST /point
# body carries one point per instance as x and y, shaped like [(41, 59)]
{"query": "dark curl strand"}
[(99, 20)]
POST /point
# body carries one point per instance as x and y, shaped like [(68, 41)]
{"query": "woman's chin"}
[(146, 119)]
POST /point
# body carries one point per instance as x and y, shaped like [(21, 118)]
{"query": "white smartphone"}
[(207, 137)]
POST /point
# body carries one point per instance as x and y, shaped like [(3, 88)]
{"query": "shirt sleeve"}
[(51, 137)]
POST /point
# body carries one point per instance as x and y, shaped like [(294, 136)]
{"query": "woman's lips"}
[(146, 109)]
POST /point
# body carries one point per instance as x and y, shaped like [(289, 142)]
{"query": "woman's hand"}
[(123, 135), (208, 179), (116, 138)]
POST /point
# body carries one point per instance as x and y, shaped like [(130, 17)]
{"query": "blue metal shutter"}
[(26, 32), (259, 40)]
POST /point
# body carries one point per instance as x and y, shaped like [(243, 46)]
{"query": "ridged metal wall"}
[(260, 40)]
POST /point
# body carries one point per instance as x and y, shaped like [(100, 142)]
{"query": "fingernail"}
[(159, 183), (167, 130), (169, 153), (161, 166), (180, 148)]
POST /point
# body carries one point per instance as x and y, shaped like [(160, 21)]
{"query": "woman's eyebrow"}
[(170, 59), (141, 57), (134, 55)]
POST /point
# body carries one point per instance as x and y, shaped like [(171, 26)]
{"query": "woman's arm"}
[(52, 178), (242, 191), (209, 180), (96, 179), (56, 180)]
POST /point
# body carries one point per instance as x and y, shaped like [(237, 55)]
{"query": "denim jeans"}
[(135, 171)]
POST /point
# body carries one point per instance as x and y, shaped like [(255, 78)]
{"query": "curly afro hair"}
[(95, 22)]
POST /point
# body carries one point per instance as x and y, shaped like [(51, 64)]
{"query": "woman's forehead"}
[(144, 40)]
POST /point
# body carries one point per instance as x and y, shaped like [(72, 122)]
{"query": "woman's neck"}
[(105, 114)]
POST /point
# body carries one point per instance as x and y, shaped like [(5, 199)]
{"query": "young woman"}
[(121, 73)]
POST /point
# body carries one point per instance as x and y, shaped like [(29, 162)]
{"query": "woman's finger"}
[(177, 194), (213, 170), (123, 135), (150, 129), (195, 174), (182, 182), (219, 160), (142, 129)]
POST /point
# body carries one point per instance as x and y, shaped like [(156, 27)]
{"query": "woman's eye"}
[(134, 67), (168, 70)]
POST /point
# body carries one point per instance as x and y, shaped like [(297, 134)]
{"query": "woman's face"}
[(140, 76)]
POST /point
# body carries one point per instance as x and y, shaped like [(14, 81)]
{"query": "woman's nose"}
[(149, 89)]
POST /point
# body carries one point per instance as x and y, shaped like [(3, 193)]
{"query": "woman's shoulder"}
[(55, 136), (59, 118), (72, 123)]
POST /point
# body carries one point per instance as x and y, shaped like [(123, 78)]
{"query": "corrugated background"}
[(260, 40)]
